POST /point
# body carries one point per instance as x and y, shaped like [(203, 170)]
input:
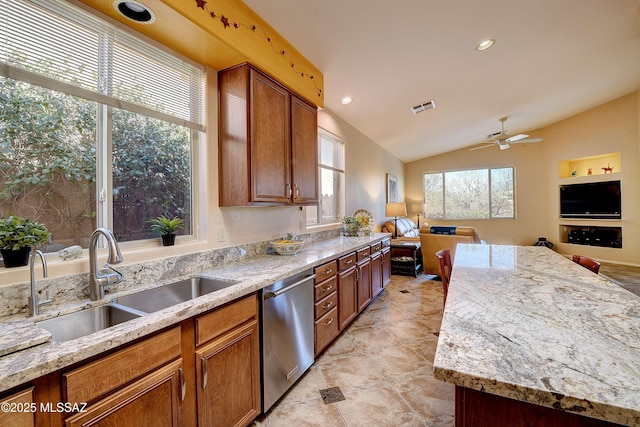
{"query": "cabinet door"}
[(19, 417), (386, 267), (304, 152), (376, 274), (153, 400), (228, 371), (270, 141), (347, 297), (364, 284)]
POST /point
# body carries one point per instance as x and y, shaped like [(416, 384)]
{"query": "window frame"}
[(331, 223), (105, 102), (489, 170)]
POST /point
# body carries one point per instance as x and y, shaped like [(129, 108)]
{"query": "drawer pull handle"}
[(328, 288), (205, 372), (330, 321), (329, 271), (327, 305), (183, 385), (349, 261)]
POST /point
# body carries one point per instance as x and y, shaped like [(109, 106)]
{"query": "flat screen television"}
[(593, 200)]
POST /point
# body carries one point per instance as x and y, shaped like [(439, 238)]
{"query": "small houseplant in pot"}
[(17, 236), (350, 226), (166, 228)]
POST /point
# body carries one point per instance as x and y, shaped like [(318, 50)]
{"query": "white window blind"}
[(42, 42)]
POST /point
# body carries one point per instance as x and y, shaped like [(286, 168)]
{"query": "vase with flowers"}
[(350, 226)]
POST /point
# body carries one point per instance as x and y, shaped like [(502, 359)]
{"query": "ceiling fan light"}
[(503, 145)]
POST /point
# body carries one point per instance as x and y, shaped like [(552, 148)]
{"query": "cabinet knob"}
[(327, 305), (328, 288)]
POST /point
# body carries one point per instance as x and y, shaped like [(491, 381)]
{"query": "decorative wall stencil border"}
[(202, 4)]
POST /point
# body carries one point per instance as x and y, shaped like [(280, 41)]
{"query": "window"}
[(470, 194), (97, 127), (331, 181)]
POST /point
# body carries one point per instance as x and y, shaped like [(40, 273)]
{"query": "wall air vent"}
[(423, 107)]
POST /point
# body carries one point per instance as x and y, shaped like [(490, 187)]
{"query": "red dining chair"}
[(587, 262), (445, 266)]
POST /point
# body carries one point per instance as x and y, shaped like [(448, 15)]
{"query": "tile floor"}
[(382, 364)]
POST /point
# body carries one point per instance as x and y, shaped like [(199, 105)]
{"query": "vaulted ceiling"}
[(551, 59)]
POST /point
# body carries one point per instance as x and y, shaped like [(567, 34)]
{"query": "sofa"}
[(407, 229), (434, 238)]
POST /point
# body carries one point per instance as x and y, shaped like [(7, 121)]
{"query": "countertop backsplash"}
[(69, 290)]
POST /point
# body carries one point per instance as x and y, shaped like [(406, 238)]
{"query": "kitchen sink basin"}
[(174, 293), (80, 323)]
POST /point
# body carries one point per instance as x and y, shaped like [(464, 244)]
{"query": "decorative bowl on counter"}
[(287, 247)]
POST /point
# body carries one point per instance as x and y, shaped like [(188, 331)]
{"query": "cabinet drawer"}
[(322, 307), (376, 247), (325, 271), (225, 318), (347, 261), (325, 288), (97, 378), (363, 253), (326, 329)]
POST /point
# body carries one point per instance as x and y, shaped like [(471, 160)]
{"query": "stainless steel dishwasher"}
[(287, 334)]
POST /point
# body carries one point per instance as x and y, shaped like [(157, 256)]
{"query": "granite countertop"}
[(529, 324), (252, 274)]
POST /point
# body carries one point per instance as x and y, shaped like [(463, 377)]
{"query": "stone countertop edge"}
[(561, 338), (253, 274)]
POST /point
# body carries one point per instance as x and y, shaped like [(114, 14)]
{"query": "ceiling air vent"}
[(423, 107)]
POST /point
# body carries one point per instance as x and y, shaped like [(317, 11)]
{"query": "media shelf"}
[(590, 235), (592, 166)]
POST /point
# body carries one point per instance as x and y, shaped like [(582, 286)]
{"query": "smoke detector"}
[(423, 107)]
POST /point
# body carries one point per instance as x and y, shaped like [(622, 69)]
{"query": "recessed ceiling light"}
[(135, 11), (485, 44), (346, 100)]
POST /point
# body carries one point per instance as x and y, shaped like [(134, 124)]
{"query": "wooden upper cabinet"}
[(304, 146), (270, 140), (267, 143)]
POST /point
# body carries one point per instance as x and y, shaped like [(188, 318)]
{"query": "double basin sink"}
[(80, 323)]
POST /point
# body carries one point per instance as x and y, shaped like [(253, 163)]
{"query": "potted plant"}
[(167, 228), (17, 236), (350, 226)]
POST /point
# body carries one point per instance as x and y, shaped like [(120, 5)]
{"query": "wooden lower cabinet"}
[(228, 368), (153, 400), (16, 403), (327, 329), (376, 274), (386, 267), (479, 409), (347, 297), (364, 283)]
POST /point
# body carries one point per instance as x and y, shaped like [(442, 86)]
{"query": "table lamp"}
[(395, 210), (419, 208)]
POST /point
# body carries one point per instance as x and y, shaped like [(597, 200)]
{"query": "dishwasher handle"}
[(291, 286)]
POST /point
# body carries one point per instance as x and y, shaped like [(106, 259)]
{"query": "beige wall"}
[(612, 127)]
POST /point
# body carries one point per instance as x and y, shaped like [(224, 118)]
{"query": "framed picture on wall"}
[(392, 189)]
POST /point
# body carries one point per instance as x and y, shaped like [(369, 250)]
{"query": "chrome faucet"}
[(99, 279), (33, 300)]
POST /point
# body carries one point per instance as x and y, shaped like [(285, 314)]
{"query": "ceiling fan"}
[(504, 141)]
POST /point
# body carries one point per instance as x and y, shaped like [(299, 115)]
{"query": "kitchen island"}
[(530, 338)]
